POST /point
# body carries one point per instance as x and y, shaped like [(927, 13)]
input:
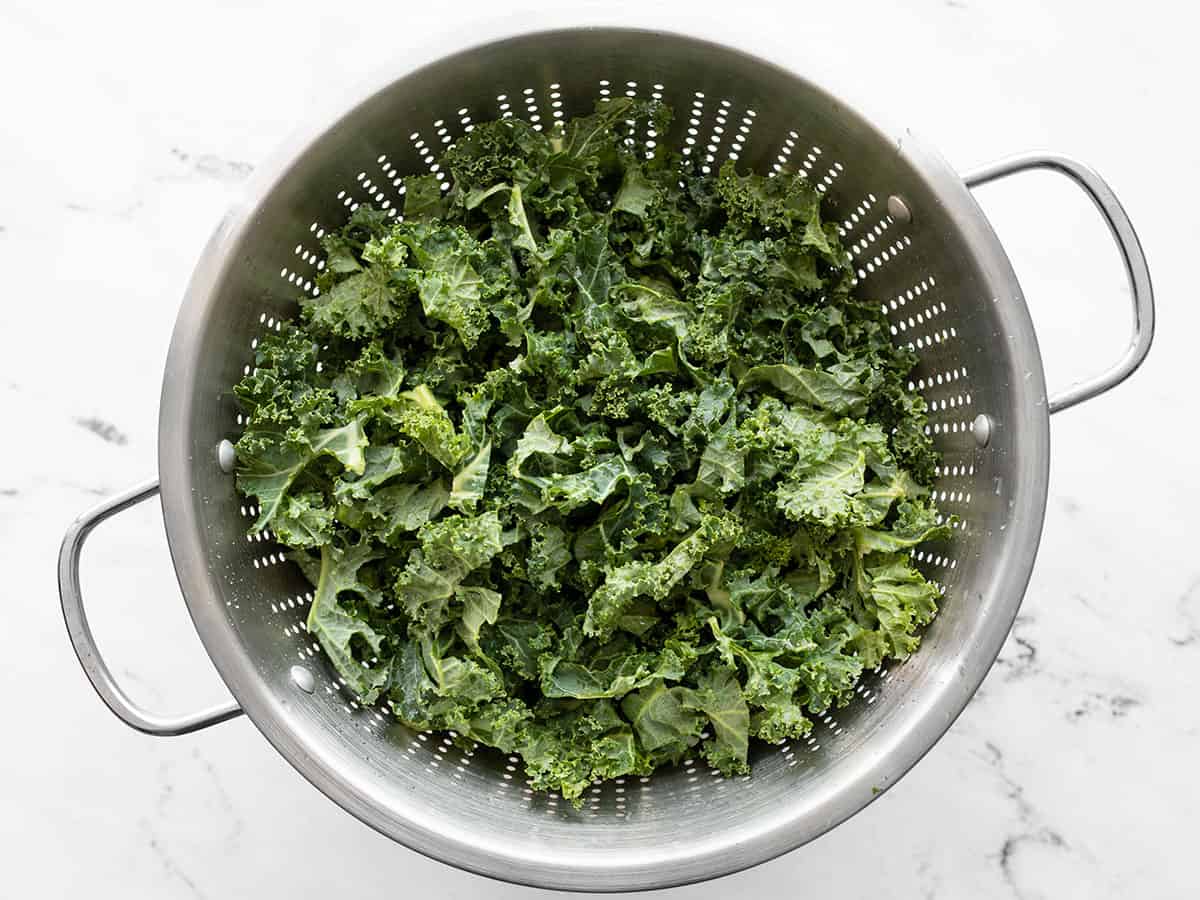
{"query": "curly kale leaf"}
[(346, 637)]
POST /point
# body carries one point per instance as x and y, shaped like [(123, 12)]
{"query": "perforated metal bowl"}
[(923, 250)]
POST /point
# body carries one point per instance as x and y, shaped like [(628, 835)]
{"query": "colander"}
[(922, 248)]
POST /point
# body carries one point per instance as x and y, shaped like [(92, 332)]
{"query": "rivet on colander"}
[(981, 428), (898, 209), (303, 679), (226, 456)]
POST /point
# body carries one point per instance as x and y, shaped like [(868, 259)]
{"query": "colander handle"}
[(1131, 254), (85, 644)]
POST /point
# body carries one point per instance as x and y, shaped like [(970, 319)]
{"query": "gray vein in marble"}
[(88, 489), (1087, 604), (1022, 660), (9, 492), (224, 800), (163, 810), (1118, 706), (166, 788), (106, 431), (1033, 830), (121, 214), (1012, 790), (1012, 844), (931, 881), (168, 861), (1187, 616), (212, 166), (153, 692), (1025, 662)]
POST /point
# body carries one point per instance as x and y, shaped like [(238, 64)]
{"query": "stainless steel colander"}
[(923, 250)]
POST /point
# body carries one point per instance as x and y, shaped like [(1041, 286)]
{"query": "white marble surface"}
[(127, 129)]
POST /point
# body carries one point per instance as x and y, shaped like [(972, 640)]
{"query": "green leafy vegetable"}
[(595, 458)]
